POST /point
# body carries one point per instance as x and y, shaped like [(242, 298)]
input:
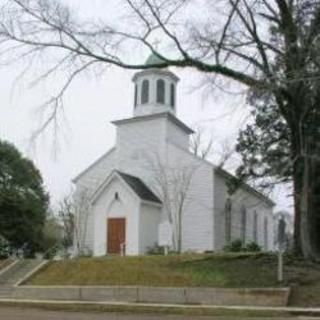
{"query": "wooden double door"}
[(116, 235)]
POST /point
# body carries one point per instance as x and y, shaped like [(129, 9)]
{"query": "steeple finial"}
[(156, 43)]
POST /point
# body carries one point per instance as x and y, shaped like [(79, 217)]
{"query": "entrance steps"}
[(17, 272)]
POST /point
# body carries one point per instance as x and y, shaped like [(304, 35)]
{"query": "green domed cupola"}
[(155, 88), (153, 59)]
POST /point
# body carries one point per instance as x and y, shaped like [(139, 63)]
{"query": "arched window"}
[(161, 91), (145, 92), (135, 95), (243, 224), (266, 234), (228, 217), (172, 96), (255, 227)]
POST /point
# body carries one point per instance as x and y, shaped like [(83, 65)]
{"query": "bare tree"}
[(81, 208), (227, 153), (268, 46), (206, 147), (67, 216), (172, 183), (199, 145)]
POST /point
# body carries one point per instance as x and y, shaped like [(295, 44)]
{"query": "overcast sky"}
[(90, 104)]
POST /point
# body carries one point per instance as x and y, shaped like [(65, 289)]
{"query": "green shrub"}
[(239, 246), (234, 246), (156, 250), (85, 253), (4, 248), (253, 247)]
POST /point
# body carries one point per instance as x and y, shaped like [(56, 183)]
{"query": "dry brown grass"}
[(228, 270), (224, 270), (152, 270), (304, 278)]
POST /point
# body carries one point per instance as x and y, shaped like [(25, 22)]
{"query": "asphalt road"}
[(9, 313)]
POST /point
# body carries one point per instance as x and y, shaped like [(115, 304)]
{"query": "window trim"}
[(266, 233), (255, 226), (228, 221), (145, 91), (135, 95), (172, 95), (161, 99), (243, 224)]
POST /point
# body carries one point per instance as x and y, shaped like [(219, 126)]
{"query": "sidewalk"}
[(161, 308)]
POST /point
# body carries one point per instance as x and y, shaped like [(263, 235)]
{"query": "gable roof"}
[(136, 185), (244, 185), (139, 187), (227, 175), (92, 165)]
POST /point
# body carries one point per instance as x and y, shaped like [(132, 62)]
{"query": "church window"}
[(255, 227), (135, 95), (243, 224), (172, 96), (161, 91), (145, 92), (266, 236), (228, 217)]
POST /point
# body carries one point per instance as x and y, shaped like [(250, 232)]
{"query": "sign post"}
[(165, 236), (280, 266), (281, 247)]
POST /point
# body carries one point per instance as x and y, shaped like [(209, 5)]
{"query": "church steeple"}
[(155, 89)]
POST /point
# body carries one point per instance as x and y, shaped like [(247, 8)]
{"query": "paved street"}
[(9, 313)]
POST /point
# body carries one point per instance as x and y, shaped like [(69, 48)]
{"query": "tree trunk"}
[(297, 191), (306, 177), (180, 232), (313, 213)]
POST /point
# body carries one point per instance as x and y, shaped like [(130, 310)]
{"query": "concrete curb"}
[(291, 310), (263, 297)]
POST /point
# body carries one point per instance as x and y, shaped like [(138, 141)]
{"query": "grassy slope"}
[(227, 270), (186, 270)]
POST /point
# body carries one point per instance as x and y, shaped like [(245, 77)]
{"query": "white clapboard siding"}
[(252, 203), (86, 184), (144, 145), (197, 222)]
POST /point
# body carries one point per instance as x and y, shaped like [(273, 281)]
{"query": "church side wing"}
[(86, 184)]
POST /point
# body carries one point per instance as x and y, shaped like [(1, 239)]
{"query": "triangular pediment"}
[(134, 184)]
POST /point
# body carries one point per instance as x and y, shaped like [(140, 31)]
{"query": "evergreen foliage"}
[(4, 248), (23, 200)]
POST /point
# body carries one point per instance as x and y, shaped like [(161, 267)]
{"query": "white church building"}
[(150, 189)]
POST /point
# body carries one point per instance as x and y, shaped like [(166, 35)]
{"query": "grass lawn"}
[(219, 270), (184, 270)]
